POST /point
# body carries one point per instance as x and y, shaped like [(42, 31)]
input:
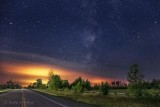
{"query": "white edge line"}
[(50, 100)]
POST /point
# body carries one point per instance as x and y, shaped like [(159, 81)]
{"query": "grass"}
[(4, 90), (118, 90), (112, 100)]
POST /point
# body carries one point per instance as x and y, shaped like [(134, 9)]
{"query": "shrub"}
[(66, 90), (135, 89), (104, 88)]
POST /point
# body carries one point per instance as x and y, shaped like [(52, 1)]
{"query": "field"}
[(116, 98)]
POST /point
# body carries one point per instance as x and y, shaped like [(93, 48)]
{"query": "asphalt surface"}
[(28, 98)]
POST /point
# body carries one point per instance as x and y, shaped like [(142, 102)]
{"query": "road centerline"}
[(23, 99)]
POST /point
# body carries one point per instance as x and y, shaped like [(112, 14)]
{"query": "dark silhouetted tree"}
[(87, 85), (38, 83), (135, 80), (10, 84), (155, 83), (134, 75), (96, 87)]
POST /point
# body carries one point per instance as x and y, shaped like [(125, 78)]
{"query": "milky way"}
[(96, 37)]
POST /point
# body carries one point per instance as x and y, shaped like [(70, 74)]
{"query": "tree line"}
[(79, 85), (136, 84), (10, 85)]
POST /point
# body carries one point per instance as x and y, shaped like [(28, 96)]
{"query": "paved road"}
[(28, 98)]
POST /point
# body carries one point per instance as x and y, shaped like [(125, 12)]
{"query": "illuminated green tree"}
[(55, 82)]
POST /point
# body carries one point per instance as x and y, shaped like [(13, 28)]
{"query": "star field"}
[(99, 37)]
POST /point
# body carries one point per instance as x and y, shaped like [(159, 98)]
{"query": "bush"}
[(43, 86), (135, 89), (66, 90), (104, 88), (153, 95)]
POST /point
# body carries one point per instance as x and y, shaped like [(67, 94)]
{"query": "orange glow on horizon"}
[(28, 73)]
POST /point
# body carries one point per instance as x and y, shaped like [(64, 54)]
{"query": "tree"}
[(55, 82), (43, 86), (134, 75), (84, 84), (87, 85), (104, 88), (34, 85), (38, 83), (50, 74), (17, 86), (30, 86), (65, 84), (75, 82), (10, 84), (155, 83), (96, 87), (79, 84), (78, 87), (135, 79)]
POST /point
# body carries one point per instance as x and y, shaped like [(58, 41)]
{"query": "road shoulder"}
[(63, 100)]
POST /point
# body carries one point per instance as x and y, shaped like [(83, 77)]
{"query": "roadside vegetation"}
[(137, 93), (8, 86)]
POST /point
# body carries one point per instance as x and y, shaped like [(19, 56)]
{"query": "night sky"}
[(99, 38)]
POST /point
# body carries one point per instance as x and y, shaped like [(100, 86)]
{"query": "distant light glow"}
[(30, 72)]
